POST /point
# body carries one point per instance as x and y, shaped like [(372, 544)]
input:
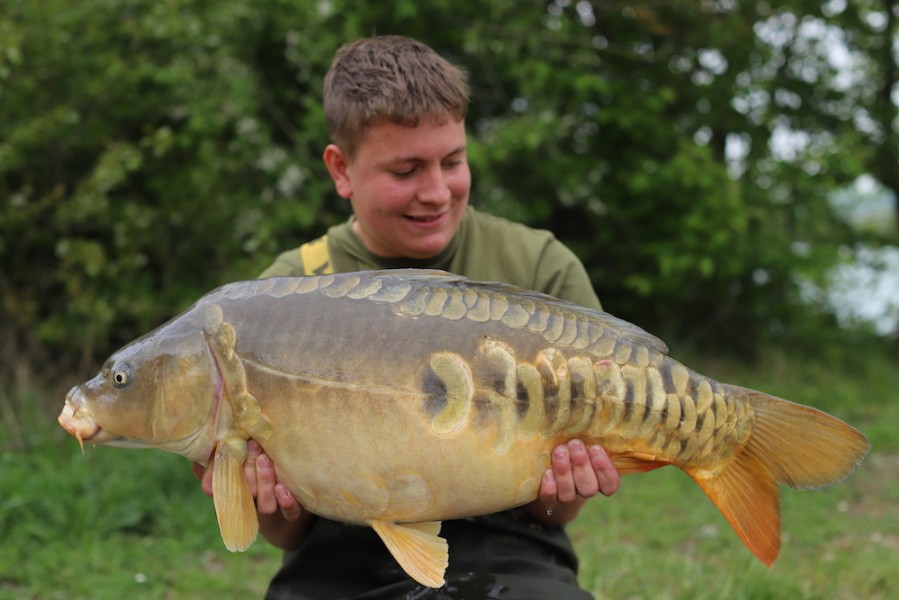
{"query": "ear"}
[(338, 164)]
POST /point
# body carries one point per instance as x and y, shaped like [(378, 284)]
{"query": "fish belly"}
[(363, 464)]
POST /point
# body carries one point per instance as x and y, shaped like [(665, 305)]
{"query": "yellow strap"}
[(316, 259)]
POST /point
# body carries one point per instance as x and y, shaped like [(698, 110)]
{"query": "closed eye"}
[(403, 174)]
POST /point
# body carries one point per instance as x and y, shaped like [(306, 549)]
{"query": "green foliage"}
[(145, 162), (152, 150)]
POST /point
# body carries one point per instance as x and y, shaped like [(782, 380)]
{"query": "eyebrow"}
[(416, 159)]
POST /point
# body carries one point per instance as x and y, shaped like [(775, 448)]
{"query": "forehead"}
[(388, 141)]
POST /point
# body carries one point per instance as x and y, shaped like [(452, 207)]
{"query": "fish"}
[(399, 399)]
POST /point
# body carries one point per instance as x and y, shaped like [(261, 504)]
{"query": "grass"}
[(114, 523), (660, 538)]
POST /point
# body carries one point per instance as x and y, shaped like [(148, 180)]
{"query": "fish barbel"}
[(399, 399)]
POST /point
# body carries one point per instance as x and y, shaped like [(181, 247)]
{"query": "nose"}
[(434, 187)]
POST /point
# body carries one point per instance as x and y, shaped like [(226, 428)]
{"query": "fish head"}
[(161, 391)]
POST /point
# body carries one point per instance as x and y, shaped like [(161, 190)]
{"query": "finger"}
[(204, 474), (205, 477), (207, 481), (290, 508), (548, 489), (607, 475), (561, 466), (266, 502), (586, 481), (254, 450)]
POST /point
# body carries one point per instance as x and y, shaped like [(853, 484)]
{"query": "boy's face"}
[(408, 186)]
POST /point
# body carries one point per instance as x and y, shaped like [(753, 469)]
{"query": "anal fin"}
[(234, 506), (629, 463), (418, 549)]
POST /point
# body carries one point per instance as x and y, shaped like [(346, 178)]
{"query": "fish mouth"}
[(78, 421)]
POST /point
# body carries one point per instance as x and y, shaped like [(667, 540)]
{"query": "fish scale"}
[(399, 399)]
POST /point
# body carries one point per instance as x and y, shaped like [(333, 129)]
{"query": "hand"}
[(270, 495), (282, 520), (259, 471), (576, 473)]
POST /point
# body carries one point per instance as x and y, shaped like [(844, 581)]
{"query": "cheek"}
[(459, 182), (185, 397), (126, 413), (383, 198)]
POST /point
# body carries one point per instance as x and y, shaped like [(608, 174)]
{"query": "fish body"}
[(399, 399)]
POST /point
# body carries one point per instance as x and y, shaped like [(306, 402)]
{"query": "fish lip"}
[(78, 421)]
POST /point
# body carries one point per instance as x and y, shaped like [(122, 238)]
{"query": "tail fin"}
[(790, 444)]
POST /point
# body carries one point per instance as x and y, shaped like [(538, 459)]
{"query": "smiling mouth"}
[(424, 219)]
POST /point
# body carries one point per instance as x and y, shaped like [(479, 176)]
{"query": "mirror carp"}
[(399, 399)]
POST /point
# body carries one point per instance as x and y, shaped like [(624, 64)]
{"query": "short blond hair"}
[(391, 79)]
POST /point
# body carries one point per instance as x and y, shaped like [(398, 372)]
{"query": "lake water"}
[(863, 290)]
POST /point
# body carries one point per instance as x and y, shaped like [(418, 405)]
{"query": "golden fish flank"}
[(677, 416), (454, 412)]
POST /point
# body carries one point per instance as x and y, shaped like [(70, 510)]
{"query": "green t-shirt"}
[(507, 553), (485, 248)]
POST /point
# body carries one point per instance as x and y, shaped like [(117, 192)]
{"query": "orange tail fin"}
[(790, 444)]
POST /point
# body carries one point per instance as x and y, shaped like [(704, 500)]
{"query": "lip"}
[(434, 221), (77, 420)]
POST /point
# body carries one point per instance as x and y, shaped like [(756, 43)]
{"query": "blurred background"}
[(728, 172)]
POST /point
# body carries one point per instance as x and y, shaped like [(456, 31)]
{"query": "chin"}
[(430, 249)]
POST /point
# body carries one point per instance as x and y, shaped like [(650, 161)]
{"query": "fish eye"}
[(121, 376)]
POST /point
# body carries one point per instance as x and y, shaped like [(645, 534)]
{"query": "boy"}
[(396, 115)]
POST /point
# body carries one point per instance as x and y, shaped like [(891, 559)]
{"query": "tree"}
[(155, 149), (871, 33)]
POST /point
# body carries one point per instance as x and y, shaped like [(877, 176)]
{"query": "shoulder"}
[(524, 256), (287, 264), (313, 257), (506, 230), (511, 249)]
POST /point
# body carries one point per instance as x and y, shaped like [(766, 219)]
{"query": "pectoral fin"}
[(234, 506), (222, 340), (417, 548)]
